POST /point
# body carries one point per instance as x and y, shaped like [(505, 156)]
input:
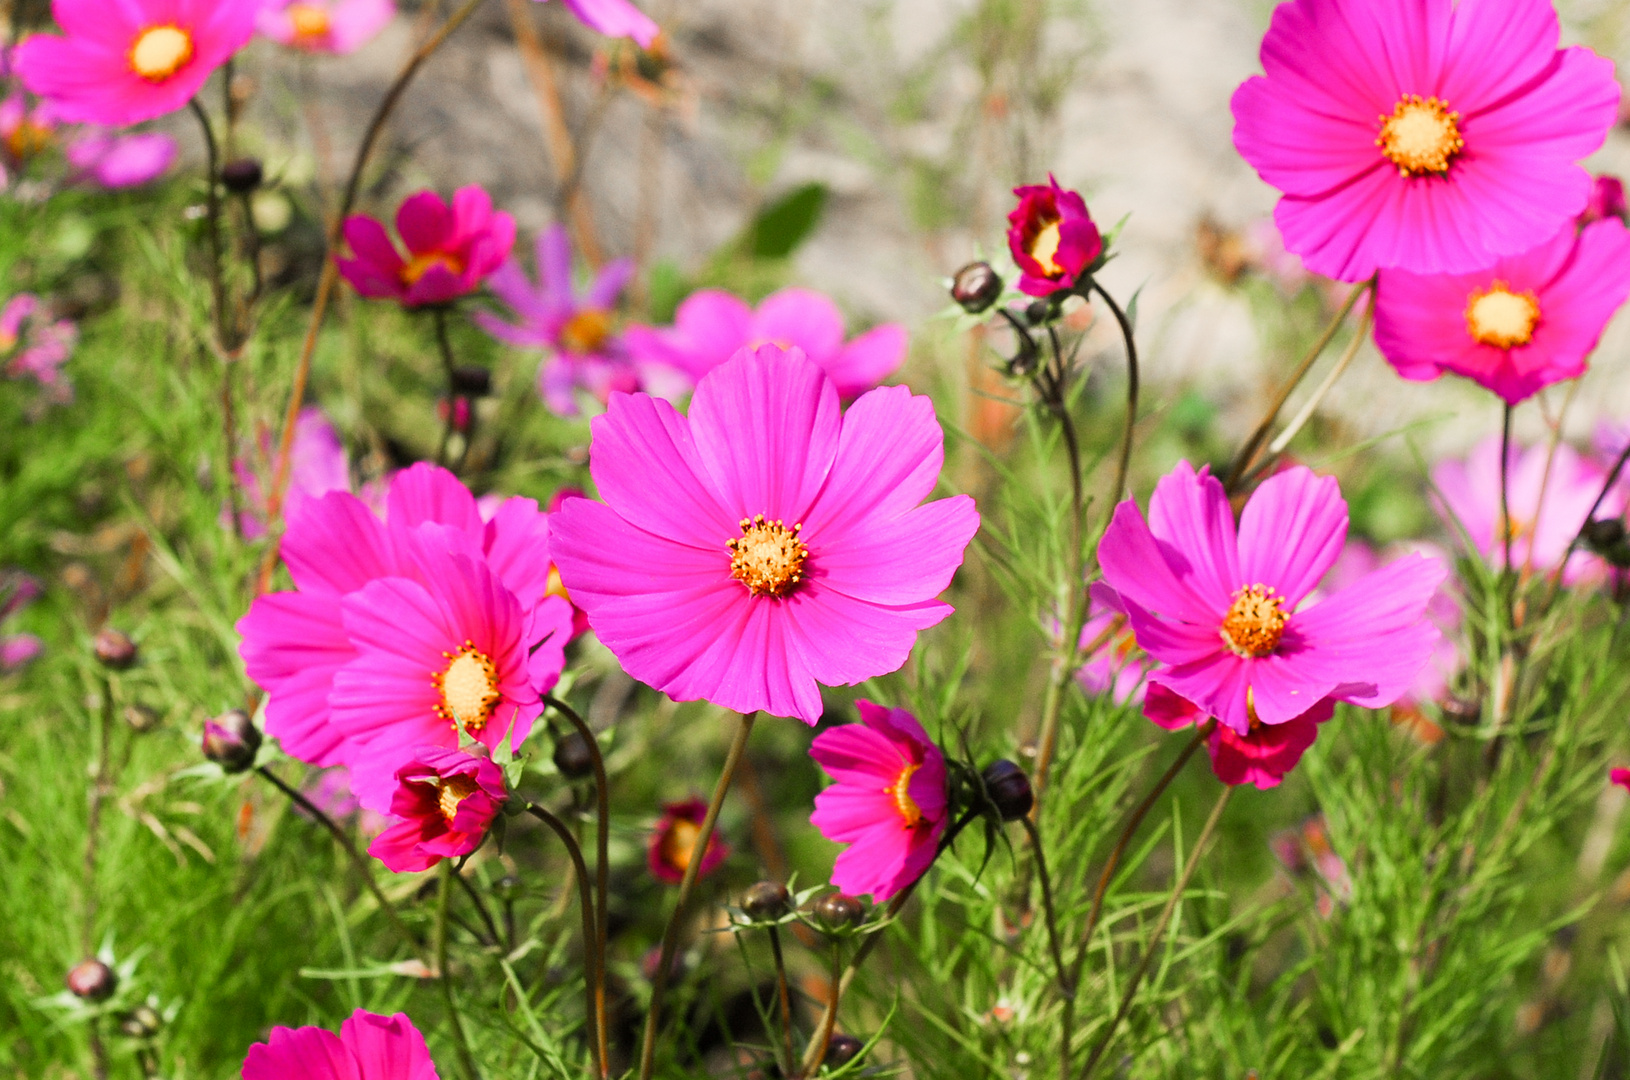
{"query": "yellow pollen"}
[(418, 266), (454, 790), (556, 587), (1499, 317), (27, 139), (768, 557), (1045, 246), (1421, 137), (160, 52), (469, 689), (309, 21), (1255, 622), (900, 791), (1250, 708), (678, 844), (586, 331)]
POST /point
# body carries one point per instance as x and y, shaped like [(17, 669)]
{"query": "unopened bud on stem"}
[(114, 649), (231, 740), (1008, 788), (976, 287), (767, 900), (92, 980)]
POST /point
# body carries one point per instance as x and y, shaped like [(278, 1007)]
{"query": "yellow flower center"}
[(454, 790), (900, 791), (309, 21), (586, 331), (469, 688), (1499, 317), (678, 844), (1045, 246), (556, 587), (1421, 137), (160, 51), (1255, 622), (27, 139), (768, 557), (418, 266)]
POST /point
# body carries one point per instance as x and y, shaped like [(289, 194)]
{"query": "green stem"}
[(591, 972), (791, 1062), (445, 977)]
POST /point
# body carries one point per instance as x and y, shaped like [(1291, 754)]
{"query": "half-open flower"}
[(368, 1047), (444, 802), (1052, 237), (324, 26), (1261, 757), (451, 249), (673, 843)]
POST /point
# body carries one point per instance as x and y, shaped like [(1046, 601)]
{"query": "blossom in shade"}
[(1547, 511), (324, 26), (1606, 200), (1620, 777), (1514, 327), (767, 542), (451, 249), (401, 632), (1421, 135), (317, 465), (329, 790), (368, 1047), (32, 345), (673, 843), (888, 801), (1111, 661), (17, 591), (1222, 608), (710, 326), (444, 803), (1051, 236), (119, 160), (120, 64), (614, 18)]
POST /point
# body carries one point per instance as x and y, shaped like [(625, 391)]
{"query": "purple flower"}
[(17, 591)]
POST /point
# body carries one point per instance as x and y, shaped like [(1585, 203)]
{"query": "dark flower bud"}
[(976, 287), (573, 756), (92, 980), (1036, 312), (836, 911), (142, 1022), (471, 380), (231, 740), (142, 718), (114, 649), (1603, 533), (1008, 788), (242, 175), (767, 900), (1461, 710), (842, 1050)]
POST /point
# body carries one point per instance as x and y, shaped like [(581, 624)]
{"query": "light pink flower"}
[(123, 63), (1266, 247), (1117, 666), (1052, 237), (766, 543), (37, 346), (1223, 611), (451, 250), (444, 803), (673, 843), (330, 791), (711, 326), (368, 1047), (324, 26), (614, 18), (317, 465), (1421, 135), (17, 591), (116, 161), (888, 803)]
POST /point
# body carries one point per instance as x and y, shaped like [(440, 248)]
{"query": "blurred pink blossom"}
[(324, 26), (35, 346)]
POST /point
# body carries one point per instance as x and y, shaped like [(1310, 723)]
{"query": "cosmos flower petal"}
[(1497, 48), (845, 812), (1264, 757), (1291, 533), (845, 641), (293, 645), (801, 318), (609, 284), (387, 1048), (647, 467), (424, 221), (1189, 514), (1216, 684), (335, 544), (398, 848), (888, 460), (426, 492), (859, 755), (307, 1053), (868, 359), (517, 547), (909, 559), (615, 18)]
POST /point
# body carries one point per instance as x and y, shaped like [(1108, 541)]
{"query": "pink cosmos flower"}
[(1515, 327), (124, 63), (888, 802), (1546, 512), (324, 26), (330, 791), (444, 803), (1261, 757), (451, 250), (1222, 611), (38, 346), (1620, 777), (17, 591), (1052, 237), (1606, 200), (614, 18), (117, 161), (317, 465), (368, 1047), (26, 130), (1116, 666), (766, 543), (711, 326), (1421, 135), (400, 632), (673, 843)]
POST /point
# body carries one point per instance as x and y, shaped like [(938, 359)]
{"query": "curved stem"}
[(591, 973), (1124, 465), (1305, 413), (822, 1042), (212, 226), (1601, 497), (445, 345), (443, 898), (480, 907), (1065, 989)]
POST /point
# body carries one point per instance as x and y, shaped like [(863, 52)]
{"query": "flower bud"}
[(142, 1022), (1601, 534), (1036, 312), (767, 900), (573, 756), (1008, 788), (471, 380), (976, 287), (114, 649), (92, 980), (242, 175), (142, 718), (842, 1050), (837, 911), (231, 740)]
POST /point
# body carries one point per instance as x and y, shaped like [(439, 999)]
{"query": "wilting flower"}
[(766, 543), (451, 250), (124, 63), (1421, 135), (17, 591), (1222, 612), (673, 843), (614, 18), (1606, 200), (368, 1047), (324, 26), (711, 326), (402, 632), (888, 803), (1052, 237), (1516, 326), (444, 803), (119, 160), (35, 346)]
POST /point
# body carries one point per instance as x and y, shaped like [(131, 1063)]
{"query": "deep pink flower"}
[(368, 1047), (1051, 236), (1222, 612), (1261, 757), (1515, 327), (711, 326), (399, 630), (766, 543), (888, 803), (17, 591), (673, 843), (1421, 135), (444, 802), (35, 346), (324, 26), (451, 250), (1620, 777), (614, 18), (1606, 200), (123, 160), (124, 63)]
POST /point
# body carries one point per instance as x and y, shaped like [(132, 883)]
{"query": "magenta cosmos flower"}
[(124, 63), (1261, 757), (324, 26), (33, 345), (368, 1047), (1421, 135), (17, 591), (673, 843), (444, 802), (614, 18), (766, 543), (1222, 610), (1515, 327), (1606, 200), (401, 632), (117, 161), (711, 326), (451, 250), (888, 802), (1052, 237)]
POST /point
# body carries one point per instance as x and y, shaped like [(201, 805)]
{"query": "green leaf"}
[(780, 227)]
